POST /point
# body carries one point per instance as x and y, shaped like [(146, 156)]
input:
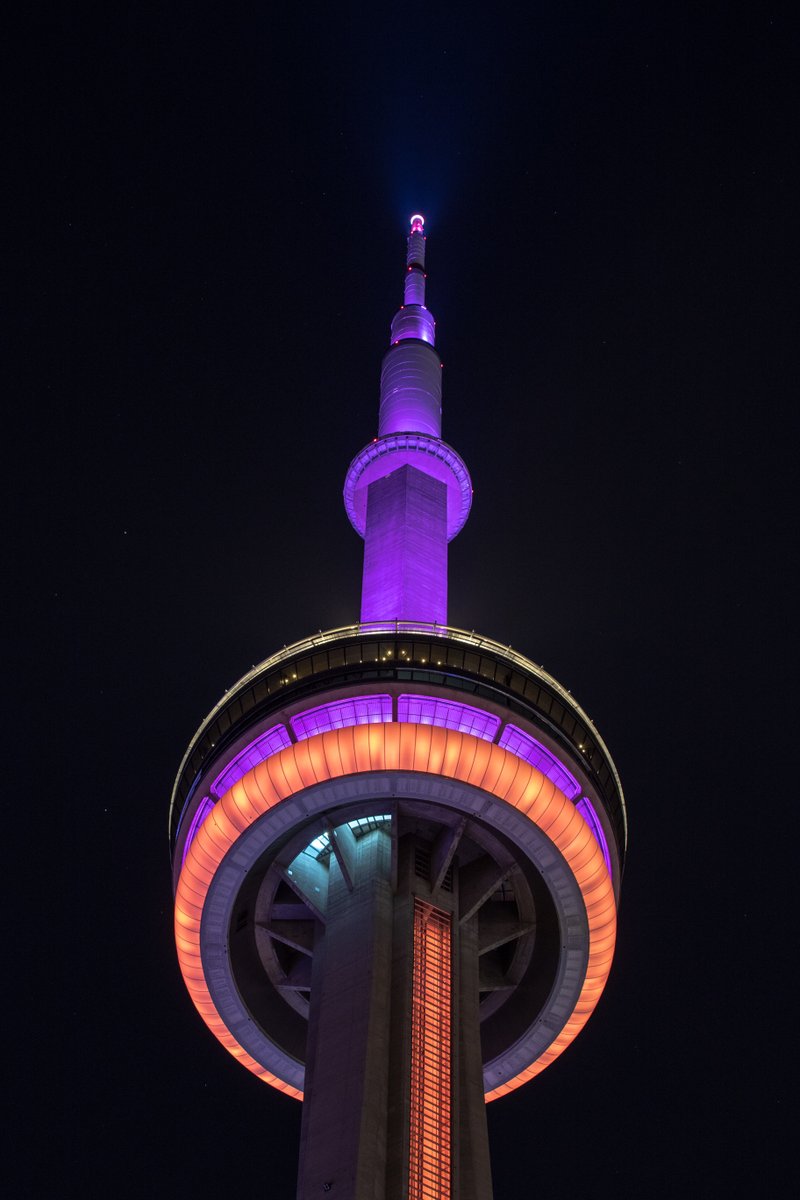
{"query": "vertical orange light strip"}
[(431, 1075)]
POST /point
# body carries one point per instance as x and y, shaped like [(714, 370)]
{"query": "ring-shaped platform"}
[(428, 454), (296, 773)]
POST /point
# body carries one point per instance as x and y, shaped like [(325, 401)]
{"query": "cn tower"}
[(397, 846)]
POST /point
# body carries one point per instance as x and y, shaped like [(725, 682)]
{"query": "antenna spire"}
[(408, 493), (414, 320)]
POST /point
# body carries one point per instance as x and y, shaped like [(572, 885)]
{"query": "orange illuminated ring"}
[(394, 746)]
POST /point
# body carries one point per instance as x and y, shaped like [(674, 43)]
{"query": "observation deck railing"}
[(399, 629)]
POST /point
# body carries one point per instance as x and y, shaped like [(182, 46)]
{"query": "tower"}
[(397, 846)]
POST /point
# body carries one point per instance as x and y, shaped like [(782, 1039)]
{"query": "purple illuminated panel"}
[(204, 808), (405, 549), (524, 746), (590, 817), (265, 744), (358, 710), (426, 710)]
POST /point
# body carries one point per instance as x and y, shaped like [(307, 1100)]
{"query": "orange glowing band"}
[(397, 747)]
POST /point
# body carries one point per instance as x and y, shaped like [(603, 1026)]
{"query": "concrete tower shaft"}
[(408, 493), (397, 846)]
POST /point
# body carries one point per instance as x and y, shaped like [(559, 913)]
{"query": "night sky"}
[(220, 197)]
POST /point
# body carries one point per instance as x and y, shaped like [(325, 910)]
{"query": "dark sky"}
[(220, 196)]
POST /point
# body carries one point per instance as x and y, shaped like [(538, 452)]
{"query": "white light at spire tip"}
[(417, 223)]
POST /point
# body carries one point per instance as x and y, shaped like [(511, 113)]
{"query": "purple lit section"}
[(265, 744), (592, 820), (407, 493), (405, 549), (524, 746), (358, 710), (427, 710), (411, 379), (204, 808)]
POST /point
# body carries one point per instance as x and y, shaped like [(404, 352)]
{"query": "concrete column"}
[(343, 1132), (355, 1136), (405, 549)]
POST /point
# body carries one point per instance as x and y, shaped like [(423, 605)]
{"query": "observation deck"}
[(406, 654), (528, 915)]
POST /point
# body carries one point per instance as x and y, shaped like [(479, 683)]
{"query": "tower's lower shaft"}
[(393, 1065)]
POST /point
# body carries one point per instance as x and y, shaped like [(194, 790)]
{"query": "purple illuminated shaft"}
[(411, 376), (411, 491), (405, 549)]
